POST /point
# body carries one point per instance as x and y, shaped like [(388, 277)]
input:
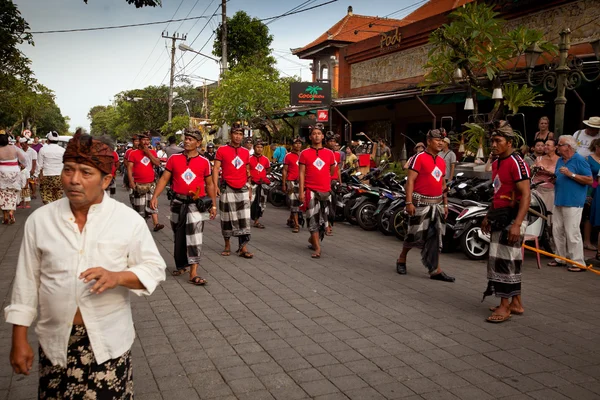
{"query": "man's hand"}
[(565, 171), (213, 213), (301, 197), (411, 209), (514, 233), (131, 184), (154, 203), (284, 187), (104, 279), (21, 357), (485, 226)]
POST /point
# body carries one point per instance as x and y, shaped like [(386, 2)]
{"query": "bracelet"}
[(445, 205), (214, 207), (408, 202)]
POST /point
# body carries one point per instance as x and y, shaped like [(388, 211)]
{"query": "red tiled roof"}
[(434, 7)]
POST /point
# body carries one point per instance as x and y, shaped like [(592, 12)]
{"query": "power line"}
[(293, 9), (117, 26), (299, 11)]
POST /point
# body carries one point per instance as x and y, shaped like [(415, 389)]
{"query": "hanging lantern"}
[(461, 147)]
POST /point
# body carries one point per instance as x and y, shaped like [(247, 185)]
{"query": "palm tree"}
[(313, 90)]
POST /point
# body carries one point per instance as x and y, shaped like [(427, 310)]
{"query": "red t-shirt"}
[(143, 170), (258, 168), (431, 170), (188, 175), (291, 160), (115, 163), (233, 165), (317, 168), (338, 160), (506, 172), (126, 155)]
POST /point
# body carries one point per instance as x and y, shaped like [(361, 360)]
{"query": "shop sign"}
[(390, 40), (310, 94), (322, 115)]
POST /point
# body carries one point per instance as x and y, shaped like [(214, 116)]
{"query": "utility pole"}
[(205, 100), (224, 36), (174, 39)]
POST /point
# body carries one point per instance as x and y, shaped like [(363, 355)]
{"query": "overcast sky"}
[(88, 68)]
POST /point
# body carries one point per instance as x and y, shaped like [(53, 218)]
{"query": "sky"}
[(85, 69)]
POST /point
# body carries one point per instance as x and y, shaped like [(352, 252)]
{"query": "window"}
[(325, 72)]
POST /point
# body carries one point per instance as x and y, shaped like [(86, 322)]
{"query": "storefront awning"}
[(295, 112), (378, 97)]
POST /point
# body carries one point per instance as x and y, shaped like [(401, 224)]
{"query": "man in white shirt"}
[(31, 166), (585, 136), (50, 165), (81, 257), (449, 158)]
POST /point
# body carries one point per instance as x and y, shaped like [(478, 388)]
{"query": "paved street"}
[(287, 327)]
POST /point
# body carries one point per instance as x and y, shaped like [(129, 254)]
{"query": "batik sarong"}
[(426, 229), (51, 188), (504, 264), (234, 210), (187, 224), (259, 201), (293, 191), (140, 199), (83, 378), (316, 209), (9, 198)]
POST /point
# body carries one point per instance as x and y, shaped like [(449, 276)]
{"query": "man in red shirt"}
[(112, 189), (290, 183), (335, 177), (191, 181), (317, 164), (427, 207), (506, 222), (135, 144), (140, 169), (259, 167), (234, 203)]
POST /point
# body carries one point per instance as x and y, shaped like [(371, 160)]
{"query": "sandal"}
[(401, 267), (555, 263), (590, 247), (576, 269), (179, 272), (197, 280), (498, 318), (158, 227), (12, 220), (315, 255), (512, 311), (259, 225), (296, 229), (245, 254), (226, 253)]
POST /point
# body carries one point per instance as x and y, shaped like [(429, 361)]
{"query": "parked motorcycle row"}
[(380, 205)]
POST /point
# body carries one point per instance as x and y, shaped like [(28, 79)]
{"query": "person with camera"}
[(194, 194)]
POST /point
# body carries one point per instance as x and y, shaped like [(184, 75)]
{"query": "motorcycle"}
[(384, 208), (275, 193)]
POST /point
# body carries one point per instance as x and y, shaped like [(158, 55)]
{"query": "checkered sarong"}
[(187, 224), (234, 210), (259, 201), (317, 208), (140, 198), (293, 190)]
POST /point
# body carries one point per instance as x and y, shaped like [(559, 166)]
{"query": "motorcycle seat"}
[(467, 203)]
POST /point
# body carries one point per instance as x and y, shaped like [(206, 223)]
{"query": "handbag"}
[(204, 204), (500, 218)]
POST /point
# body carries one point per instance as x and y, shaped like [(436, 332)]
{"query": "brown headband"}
[(84, 149)]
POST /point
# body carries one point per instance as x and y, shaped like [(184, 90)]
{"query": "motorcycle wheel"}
[(350, 217), (384, 223), (473, 247), (364, 216), (276, 198), (399, 224)]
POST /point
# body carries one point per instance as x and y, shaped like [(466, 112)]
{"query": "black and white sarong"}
[(316, 209), (426, 229), (140, 198), (234, 210), (187, 224), (293, 191), (259, 200)]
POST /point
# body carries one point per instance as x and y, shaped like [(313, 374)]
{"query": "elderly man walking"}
[(50, 165), (81, 257), (573, 175)]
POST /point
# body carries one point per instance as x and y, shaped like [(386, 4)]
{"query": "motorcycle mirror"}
[(357, 173), (462, 185), (460, 174)]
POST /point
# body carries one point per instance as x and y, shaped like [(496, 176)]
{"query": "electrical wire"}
[(292, 10), (299, 11)]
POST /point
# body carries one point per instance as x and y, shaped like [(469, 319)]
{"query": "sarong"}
[(504, 264), (51, 188), (332, 203), (9, 199), (293, 189), (83, 378), (26, 193), (316, 208), (111, 189), (234, 210), (140, 199), (426, 229), (259, 201), (187, 224)]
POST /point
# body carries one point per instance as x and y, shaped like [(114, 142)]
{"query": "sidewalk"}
[(285, 326)]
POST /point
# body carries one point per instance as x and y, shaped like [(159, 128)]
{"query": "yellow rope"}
[(589, 268)]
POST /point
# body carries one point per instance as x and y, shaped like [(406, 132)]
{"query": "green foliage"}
[(476, 135), (14, 31), (516, 96), (248, 42), (178, 123)]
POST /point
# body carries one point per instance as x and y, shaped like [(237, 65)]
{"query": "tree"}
[(477, 42), (141, 3), (248, 42), (178, 123), (250, 94), (14, 31)]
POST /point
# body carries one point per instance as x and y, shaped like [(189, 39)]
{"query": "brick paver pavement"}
[(287, 327)]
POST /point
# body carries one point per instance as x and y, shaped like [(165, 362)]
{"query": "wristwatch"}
[(573, 176)]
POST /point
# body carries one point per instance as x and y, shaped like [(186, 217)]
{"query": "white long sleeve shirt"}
[(50, 159), (54, 253)]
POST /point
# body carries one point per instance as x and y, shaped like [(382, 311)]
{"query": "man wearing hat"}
[(290, 183), (584, 137), (427, 207), (140, 169), (449, 158), (81, 258), (506, 222), (191, 182), (50, 165)]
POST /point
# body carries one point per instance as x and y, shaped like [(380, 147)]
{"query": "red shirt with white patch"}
[(127, 153), (233, 165), (188, 175), (292, 161), (317, 164), (258, 168), (115, 163), (506, 172), (143, 170), (338, 160), (431, 170)]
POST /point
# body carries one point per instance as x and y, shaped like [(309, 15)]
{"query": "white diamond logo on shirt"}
[(319, 164), (259, 167), (237, 162), (497, 184), (188, 176), (437, 173), (145, 161)]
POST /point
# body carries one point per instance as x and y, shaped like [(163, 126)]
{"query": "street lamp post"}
[(184, 47)]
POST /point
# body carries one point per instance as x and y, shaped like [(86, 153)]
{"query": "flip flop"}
[(576, 269), (226, 253), (246, 254), (556, 264), (590, 247), (259, 225), (197, 281), (498, 318), (511, 311), (179, 272), (296, 229)]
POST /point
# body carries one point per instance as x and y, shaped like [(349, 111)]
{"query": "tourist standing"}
[(172, 148), (50, 165), (544, 130), (291, 185), (279, 153), (546, 166), (584, 137), (81, 258), (259, 168), (449, 158)]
